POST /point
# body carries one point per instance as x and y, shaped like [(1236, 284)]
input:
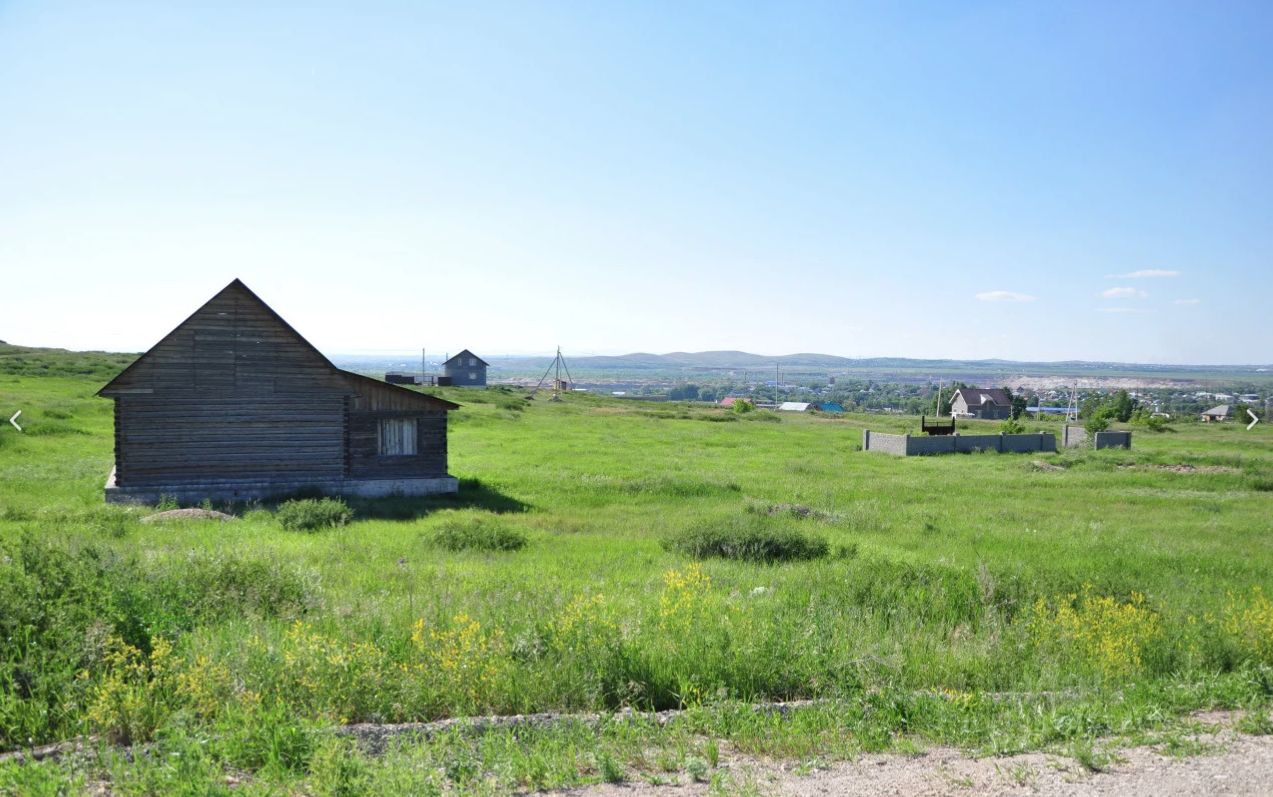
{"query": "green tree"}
[(946, 394), (1122, 406), (1018, 407), (1099, 420)]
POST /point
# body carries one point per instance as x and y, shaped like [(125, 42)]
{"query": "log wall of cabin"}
[(166, 439), (366, 461)]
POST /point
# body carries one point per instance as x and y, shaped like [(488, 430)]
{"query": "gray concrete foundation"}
[(196, 492)]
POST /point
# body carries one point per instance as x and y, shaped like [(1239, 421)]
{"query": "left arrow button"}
[(14, 420)]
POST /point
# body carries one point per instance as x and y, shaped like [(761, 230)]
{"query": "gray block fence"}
[(1112, 440), (904, 445), (1074, 436)]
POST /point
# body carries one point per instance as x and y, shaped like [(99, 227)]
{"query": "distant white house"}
[(1224, 412), (795, 406), (976, 402)]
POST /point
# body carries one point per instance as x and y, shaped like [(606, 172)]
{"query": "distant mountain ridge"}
[(741, 359)]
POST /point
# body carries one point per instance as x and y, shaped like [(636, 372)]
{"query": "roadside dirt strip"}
[(1222, 762)]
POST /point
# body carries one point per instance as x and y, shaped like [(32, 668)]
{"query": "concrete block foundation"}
[(195, 492)]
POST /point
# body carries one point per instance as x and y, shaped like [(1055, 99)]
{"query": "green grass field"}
[(982, 600)]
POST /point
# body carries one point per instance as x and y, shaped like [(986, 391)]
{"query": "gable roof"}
[(235, 292), (1223, 409), (981, 396), (149, 368), (468, 353), (831, 406)]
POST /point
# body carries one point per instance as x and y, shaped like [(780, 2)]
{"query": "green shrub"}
[(477, 532), (64, 607), (748, 537), (309, 514), (1097, 422), (743, 406), (184, 592)]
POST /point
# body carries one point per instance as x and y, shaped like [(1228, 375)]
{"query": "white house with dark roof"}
[(991, 403)]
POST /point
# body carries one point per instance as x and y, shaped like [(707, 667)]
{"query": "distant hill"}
[(714, 364), (717, 360), (34, 361)]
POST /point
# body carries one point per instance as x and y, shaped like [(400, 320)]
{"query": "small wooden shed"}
[(234, 404)]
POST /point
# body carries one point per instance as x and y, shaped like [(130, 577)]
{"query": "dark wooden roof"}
[(470, 354), (973, 396), (387, 395), (258, 339)]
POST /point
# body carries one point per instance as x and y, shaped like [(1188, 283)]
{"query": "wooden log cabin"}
[(234, 404)]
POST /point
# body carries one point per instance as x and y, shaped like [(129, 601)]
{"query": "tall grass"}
[(977, 582)]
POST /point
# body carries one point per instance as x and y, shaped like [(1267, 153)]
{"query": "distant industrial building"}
[(796, 406)]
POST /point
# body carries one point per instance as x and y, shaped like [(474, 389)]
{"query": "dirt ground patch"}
[(1223, 762), (187, 514), (1039, 464), (1184, 468)]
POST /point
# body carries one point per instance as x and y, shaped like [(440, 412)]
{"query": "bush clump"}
[(473, 532), (749, 538), (311, 514)]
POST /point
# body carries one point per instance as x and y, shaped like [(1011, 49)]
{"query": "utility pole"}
[(424, 368)]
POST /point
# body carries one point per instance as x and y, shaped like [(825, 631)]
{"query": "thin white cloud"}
[(1144, 273), (1121, 310), (1187, 301), (1123, 293), (1005, 296)]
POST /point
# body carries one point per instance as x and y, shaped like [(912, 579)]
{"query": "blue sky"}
[(961, 180)]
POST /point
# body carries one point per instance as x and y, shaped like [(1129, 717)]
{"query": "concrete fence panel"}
[(1112, 440), (904, 445)]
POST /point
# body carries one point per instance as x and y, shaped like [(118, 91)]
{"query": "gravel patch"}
[(187, 514), (1231, 764)]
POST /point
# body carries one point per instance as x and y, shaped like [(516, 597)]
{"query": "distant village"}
[(828, 393)]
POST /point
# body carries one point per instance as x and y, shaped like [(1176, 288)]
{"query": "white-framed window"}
[(397, 437)]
